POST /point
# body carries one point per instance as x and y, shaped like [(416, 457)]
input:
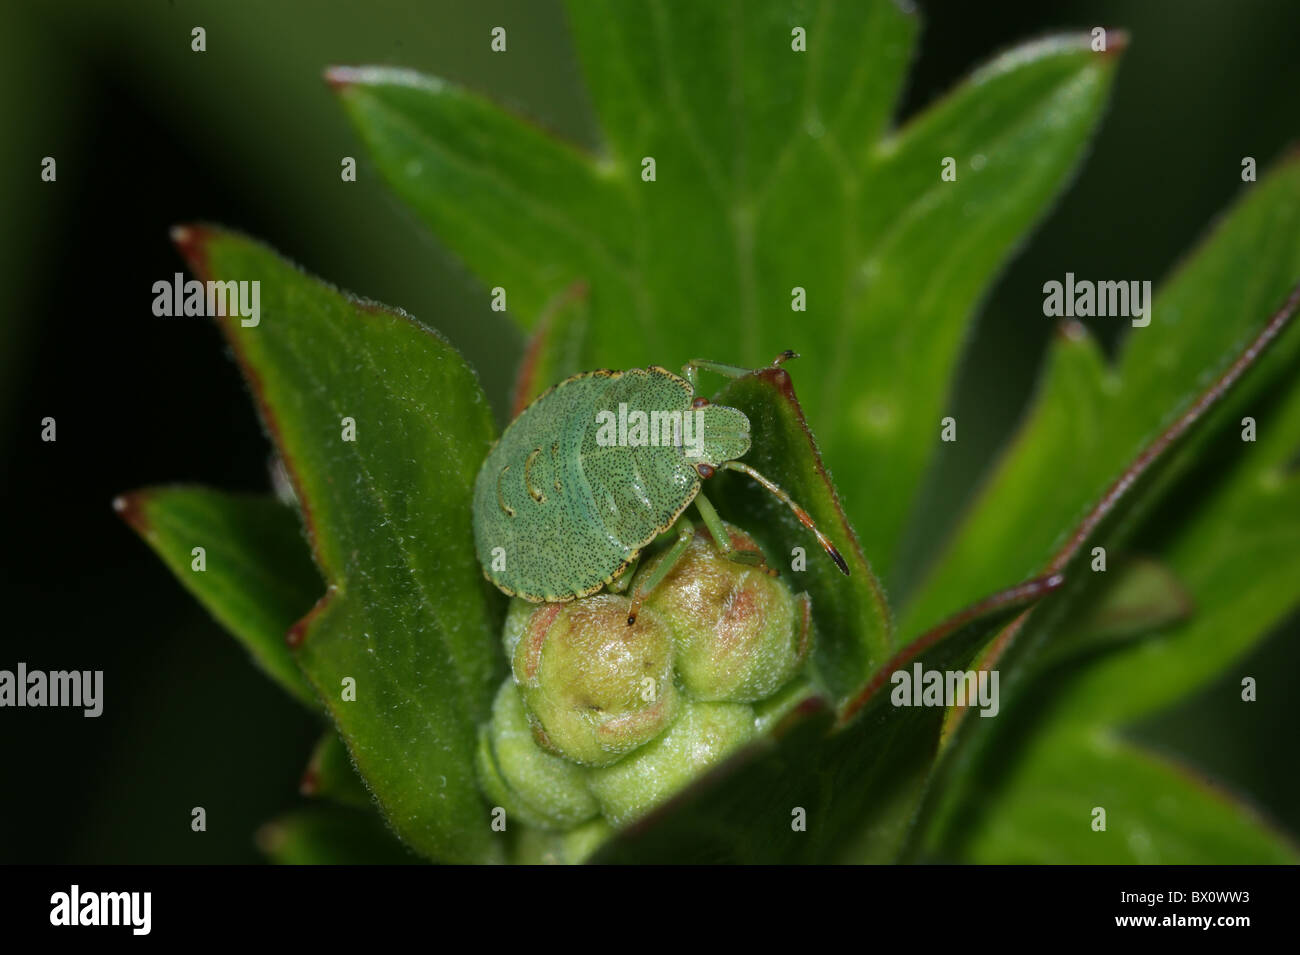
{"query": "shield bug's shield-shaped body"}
[(595, 469)]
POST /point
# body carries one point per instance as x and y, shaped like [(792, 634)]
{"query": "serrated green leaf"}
[(979, 751), (1236, 558), (1097, 419), (708, 76), (773, 171), (519, 202), (1234, 553), (408, 623), (1237, 555), (259, 577)]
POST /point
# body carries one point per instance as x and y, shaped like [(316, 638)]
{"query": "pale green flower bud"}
[(704, 734), (516, 620), (769, 713), (741, 634), (531, 785), (594, 687), (535, 847)]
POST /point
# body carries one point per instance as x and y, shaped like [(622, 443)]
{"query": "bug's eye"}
[(699, 402), (704, 470)]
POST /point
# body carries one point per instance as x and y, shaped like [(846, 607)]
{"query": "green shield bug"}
[(599, 466)]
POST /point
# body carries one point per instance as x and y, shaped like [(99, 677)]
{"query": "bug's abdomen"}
[(557, 513), (534, 528), (640, 482)]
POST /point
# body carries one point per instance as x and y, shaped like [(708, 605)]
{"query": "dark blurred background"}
[(147, 133)]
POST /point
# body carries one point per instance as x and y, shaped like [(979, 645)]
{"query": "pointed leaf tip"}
[(191, 241), (408, 616), (339, 77), (1117, 41), (998, 604), (129, 507), (257, 576)]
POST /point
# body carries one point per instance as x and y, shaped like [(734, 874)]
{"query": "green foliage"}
[(405, 615), (854, 630), (1157, 812), (1233, 554), (776, 170), (259, 578), (857, 774), (773, 170), (1098, 418)]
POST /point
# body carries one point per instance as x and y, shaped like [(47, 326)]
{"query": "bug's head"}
[(720, 434)]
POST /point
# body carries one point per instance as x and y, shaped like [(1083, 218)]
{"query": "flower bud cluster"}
[(602, 719)]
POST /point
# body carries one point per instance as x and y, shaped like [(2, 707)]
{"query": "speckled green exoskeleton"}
[(579, 483)]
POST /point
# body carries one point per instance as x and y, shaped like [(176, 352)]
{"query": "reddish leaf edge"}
[(1148, 456), (192, 241), (1021, 595), (1207, 399), (538, 343), (1001, 643), (816, 704), (777, 377)]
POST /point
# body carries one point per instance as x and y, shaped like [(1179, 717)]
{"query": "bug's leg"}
[(624, 579), (775, 490), (722, 539), (693, 367), (686, 530)]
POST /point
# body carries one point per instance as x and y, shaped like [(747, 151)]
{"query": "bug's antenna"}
[(776, 491)]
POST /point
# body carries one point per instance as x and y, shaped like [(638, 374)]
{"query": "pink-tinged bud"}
[(703, 736), (531, 785), (594, 687), (741, 634)]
